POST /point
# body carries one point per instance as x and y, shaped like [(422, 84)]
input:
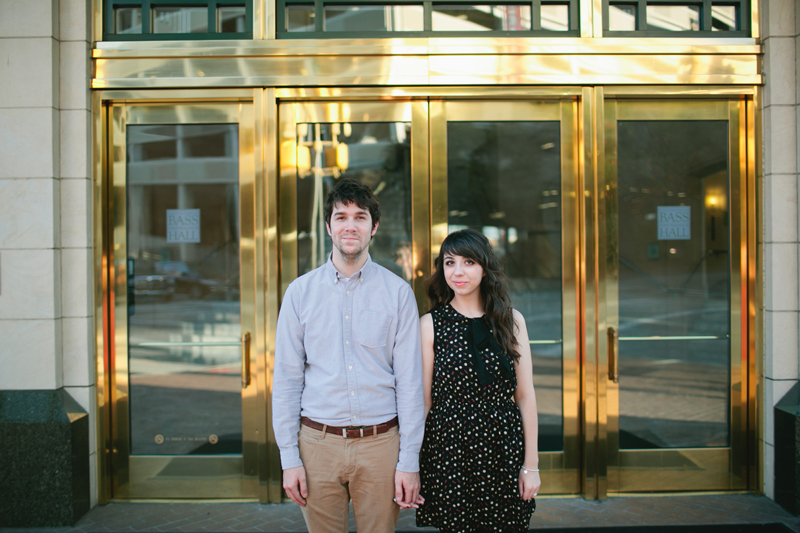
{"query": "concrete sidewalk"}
[(552, 512)]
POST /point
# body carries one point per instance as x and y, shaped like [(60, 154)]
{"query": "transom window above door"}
[(303, 19), (156, 20), (676, 18)]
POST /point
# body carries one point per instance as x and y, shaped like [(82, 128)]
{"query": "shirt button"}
[(347, 342), (348, 292), (354, 417), (347, 317), (352, 393), (350, 367)]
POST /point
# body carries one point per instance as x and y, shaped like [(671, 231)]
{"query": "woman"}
[(479, 461)]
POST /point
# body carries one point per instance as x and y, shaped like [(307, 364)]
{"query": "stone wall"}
[(780, 27), (46, 297)]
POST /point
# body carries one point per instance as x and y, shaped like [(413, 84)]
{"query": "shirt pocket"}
[(373, 329)]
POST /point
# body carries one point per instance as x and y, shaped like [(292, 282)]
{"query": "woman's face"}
[(463, 275)]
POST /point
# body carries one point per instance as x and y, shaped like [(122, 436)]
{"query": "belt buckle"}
[(360, 430)]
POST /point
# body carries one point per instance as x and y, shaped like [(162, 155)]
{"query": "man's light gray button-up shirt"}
[(347, 353)]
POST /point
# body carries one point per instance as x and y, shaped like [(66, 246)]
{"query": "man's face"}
[(350, 229)]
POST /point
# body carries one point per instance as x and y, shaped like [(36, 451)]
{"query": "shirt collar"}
[(361, 275)]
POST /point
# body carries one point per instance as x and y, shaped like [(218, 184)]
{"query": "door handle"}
[(245, 359), (613, 354)]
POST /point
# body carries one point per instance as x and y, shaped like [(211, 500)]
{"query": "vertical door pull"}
[(613, 355), (245, 359)]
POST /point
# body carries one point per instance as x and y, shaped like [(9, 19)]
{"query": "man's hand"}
[(294, 483), (406, 489)]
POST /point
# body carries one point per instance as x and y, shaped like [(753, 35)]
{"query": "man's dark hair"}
[(351, 191)]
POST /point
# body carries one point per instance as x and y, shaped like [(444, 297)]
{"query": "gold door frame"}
[(628, 470), (130, 474), (268, 254)]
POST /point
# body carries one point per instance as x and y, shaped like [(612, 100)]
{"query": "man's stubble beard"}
[(354, 257)]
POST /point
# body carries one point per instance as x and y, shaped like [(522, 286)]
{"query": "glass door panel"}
[(182, 414), (674, 382), (510, 173), (370, 142)]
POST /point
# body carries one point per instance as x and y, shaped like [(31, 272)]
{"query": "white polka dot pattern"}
[(473, 447)]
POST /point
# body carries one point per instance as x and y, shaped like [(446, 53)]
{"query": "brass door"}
[(511, 170), (508, 168), (182, 260), (674, 263)]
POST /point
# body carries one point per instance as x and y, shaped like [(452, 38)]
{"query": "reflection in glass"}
[(674, 283), (300, 17), (477, 17), (504, 179), (555, 17), (673, 18), (340, 17), (622, 17), (723, 18), (375, 153), (231, 19), (128, 20), (183, 289), (183, 19)]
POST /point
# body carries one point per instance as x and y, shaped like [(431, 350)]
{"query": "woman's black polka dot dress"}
[(473, 447)]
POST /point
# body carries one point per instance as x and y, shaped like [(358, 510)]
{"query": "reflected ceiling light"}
[(342, 156), (548, 146)]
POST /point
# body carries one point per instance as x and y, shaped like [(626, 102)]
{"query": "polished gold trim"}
[(587, 15), (243, 114), (263, 19), (426, 62), (739, 293), (758, 416), (438, 172), (659, 92), (608, 250), (434, 93), (177, 96), (755, 20), (420, 202), (569, 477), (433, 46), (118, 310), (97, 18), (270, 490), (594, 467), (100, 225)]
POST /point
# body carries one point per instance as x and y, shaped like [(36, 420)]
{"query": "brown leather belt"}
[(351, 432)]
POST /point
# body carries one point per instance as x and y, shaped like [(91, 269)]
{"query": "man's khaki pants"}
[(339, 469)]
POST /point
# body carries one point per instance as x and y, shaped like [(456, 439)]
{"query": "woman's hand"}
[(529, 484)]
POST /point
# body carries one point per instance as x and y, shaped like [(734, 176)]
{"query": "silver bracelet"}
[(526, 470)]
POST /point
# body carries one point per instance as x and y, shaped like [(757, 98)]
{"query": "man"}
[(347, 395)]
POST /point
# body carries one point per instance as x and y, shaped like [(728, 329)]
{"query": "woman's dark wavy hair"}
[(474, 245)]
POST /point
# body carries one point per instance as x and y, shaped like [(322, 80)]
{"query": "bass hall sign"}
[(674, 223)]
